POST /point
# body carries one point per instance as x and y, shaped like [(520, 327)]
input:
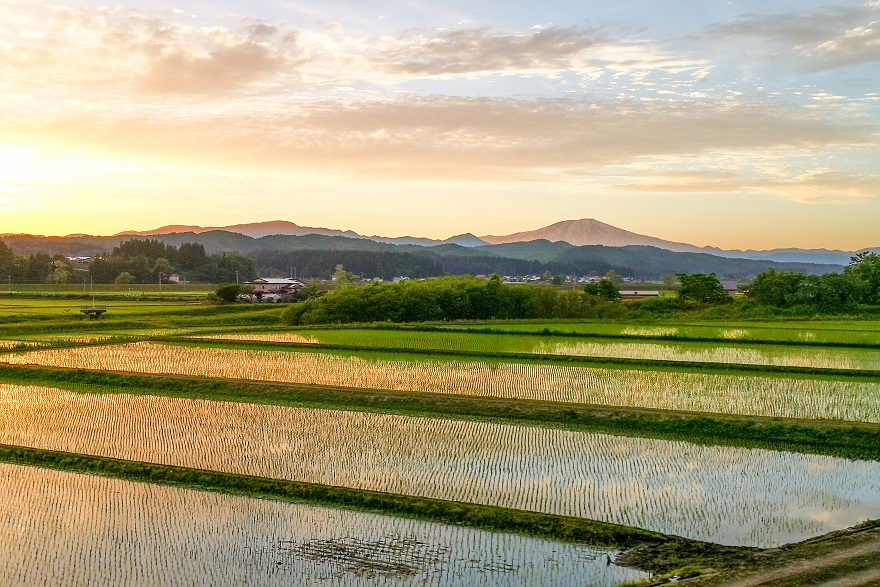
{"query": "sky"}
[(737, 124)]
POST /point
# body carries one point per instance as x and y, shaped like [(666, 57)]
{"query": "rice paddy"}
[(74, 529), (770, 498), (812, 331), (742, 354), (671, 390), (83, 530)]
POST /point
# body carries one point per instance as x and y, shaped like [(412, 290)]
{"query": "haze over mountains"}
[(576, 247), (583, 232)]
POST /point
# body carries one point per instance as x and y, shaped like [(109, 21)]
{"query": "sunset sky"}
[(738, 124)]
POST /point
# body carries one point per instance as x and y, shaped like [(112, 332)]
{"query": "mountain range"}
[(583, 232), (578, 247)]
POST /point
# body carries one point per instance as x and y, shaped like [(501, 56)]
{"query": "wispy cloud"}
[(823, 39), (817, 186), (426, 137), (446, 53)]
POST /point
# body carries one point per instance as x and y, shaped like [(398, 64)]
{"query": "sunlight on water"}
[(719, 494), (72, 529)]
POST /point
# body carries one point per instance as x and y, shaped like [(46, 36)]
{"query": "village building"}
[(274, 289)]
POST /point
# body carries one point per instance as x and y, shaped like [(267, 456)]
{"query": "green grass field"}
[(804, 331)]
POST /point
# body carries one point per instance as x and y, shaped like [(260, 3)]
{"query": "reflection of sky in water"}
[(720, 494), (715, 353), (836, 358), (81, 530)]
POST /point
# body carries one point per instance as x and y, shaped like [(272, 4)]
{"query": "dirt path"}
[(804, 569), (865, 579)]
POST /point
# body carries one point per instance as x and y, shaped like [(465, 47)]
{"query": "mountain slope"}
[(283, 227), (588, 231)]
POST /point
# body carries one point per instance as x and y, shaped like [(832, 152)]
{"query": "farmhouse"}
[(274, 288), (729, 287)]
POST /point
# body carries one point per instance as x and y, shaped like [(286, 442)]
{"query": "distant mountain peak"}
[(588, 231)]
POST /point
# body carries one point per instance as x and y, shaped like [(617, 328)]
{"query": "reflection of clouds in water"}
[(670, 390), (108, 531), (820, 358), (728, 495)]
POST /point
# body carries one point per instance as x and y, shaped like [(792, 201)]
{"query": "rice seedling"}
[(87, 530), (763, 354), (277, 337), (822, 358), (727, 495), (735, 333), (654, 331), (670, 390)]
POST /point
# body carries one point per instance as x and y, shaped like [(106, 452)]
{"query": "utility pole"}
[(160, 283)]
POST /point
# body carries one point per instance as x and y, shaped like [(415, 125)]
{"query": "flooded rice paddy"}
[(727, 495), (72, 530)]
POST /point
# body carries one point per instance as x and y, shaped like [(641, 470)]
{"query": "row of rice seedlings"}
[(652, 331), (17, 344), (284, 337), (74, 529), (854, 331), (774, 356), (824, 358), (727, 495), (671, 390)]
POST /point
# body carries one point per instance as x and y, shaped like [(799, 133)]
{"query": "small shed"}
[(729, 287), (638, 294), (93, 312)]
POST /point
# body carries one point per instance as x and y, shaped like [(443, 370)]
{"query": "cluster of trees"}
[(859, 284), (320, 264), (142, 261), (444, 298), (37, 268), (470, 298), (133, 261)]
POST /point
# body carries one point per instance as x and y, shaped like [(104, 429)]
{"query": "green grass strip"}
[(853, 440), (435, 510), (545, 331), (536, 358)]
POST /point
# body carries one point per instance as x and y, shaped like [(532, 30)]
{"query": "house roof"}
[(276, 281)]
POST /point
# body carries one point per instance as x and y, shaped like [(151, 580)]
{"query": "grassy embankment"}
[(650, 551), (854, 440), (448, 512)]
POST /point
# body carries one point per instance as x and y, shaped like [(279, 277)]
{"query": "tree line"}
[(320, 264), (133, 261), (470, 298)]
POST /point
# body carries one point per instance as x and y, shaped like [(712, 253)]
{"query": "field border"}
[(852, 440), (485, 517), (619, 363)]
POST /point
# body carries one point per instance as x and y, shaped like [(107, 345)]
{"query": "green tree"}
[(124, 278), (864, 268), (772, 288), (341, 276), (603, 289), (702, 288), (162, 266), (228, 292)]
